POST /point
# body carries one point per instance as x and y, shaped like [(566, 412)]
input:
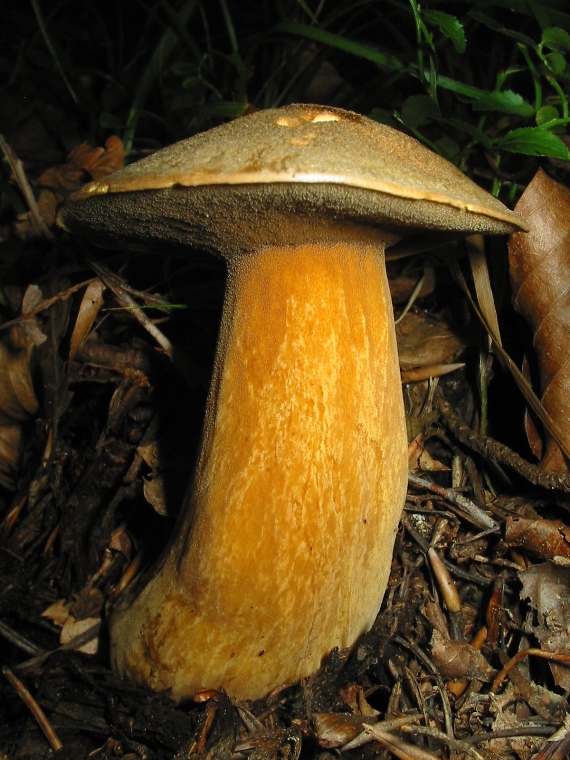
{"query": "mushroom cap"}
[(299, 173)]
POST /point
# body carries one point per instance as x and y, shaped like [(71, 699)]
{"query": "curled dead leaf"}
[(547, 588), (457, 659), (424, 341), (57, 182), (90, 306), (336, 729), (539, 263), (18, 401), (419, 457), (544, 538)]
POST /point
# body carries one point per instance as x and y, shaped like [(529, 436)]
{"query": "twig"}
[(399, 747), (530, 397), (507, 733), (422, 656), (455, 570), (459, 745), (136, 311), (24, 185), (19, 641), (500, 453), (194, 374), (469, 509), (75, 643), (552, 656), (46, 303), (34, 708), (385, 725)]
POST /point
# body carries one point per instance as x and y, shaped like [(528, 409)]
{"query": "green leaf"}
[(556, 39), (546, 114), (450, 27), (534, 141), (110, 121), (504, 101), (222, 109), (555, 62), (490, 22), (384, 117), (449, 149), (474, 132), (419, 110)]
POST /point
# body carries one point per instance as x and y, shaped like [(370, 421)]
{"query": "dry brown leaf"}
[(88, 603), (482, 282), (547, 586), (424, 341), (353, 697), (545, 538), (10, 448), (18, 402), (73, 628), (59, 613), (91, 303), (336, 729), (56, 183), (32, 299), (533, 434), (403, 286), (419, 457), (540, 277), (457, 659), (155, 493)]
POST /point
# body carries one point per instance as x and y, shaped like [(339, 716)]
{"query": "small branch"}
[(20, 176), (552, 656), (471, 511), (500, 453), (34, 708)]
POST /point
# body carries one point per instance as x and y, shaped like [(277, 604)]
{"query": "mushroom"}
[(283, 547)]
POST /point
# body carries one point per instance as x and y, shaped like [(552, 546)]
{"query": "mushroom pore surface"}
[(283, 547)]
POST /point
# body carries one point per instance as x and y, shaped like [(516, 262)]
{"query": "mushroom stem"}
[(287, 533)]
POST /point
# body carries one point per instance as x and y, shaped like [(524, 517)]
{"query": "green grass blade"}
[(384, 60)]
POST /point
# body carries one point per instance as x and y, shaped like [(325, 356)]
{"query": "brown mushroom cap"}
[(311, 169)]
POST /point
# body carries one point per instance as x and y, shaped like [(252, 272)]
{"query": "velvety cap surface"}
[(323, 162)]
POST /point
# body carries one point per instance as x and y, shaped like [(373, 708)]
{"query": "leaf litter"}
[(478, 575)]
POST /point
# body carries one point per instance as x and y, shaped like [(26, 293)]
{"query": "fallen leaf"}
[(457, 659), (403, 285), (545, 538), (154, 493), (91, 304), (59, 613), (18, 401), (336, 729), (88, 603), (424, 341), (419, 457), (56, 183), (73, 628), (547, 586), (539, 263)]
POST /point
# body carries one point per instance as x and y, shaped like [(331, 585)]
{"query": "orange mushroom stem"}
[(286, 541), (284, 544)]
